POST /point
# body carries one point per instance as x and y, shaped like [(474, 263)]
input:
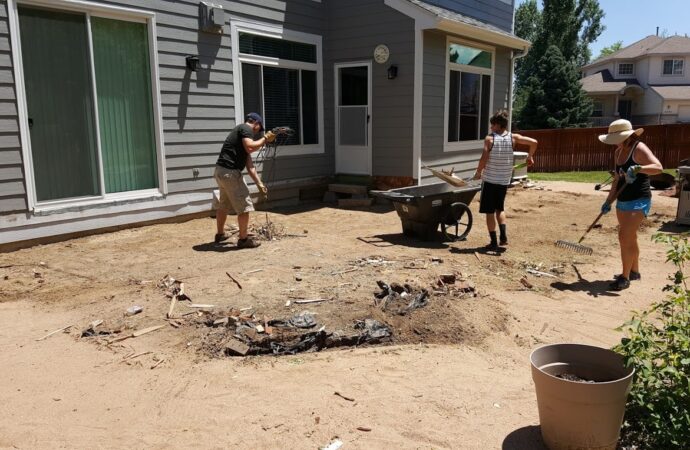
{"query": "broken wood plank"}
[(252, 271), (541, 274), (316, 300), (200, 305), (147, 330), (136, 355), (344, 271), (54, 332), (476, 255), (171, 310), (160, 361), (233, 279), (526, 283)]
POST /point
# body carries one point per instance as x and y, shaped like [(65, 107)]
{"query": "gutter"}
[(513, 57)]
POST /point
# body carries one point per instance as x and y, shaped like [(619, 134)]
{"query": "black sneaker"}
[(222, 237), (247, 243), (503, 241), (619, 284), (634, 276)]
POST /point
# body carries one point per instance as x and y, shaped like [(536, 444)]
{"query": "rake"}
[(577, 246)]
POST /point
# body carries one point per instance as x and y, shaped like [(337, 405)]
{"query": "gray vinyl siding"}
[(12, 188), (495, 12), (198, 108), (356, 28), (433, 107)]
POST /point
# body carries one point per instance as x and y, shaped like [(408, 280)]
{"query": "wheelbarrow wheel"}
[(457, 223)]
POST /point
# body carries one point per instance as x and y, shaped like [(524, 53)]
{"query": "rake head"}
[(572, 246)]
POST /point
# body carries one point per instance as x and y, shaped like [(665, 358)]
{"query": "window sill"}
[(59, 207), (463, 146)]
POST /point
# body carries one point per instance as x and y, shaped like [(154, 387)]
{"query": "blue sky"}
[(631, 20)]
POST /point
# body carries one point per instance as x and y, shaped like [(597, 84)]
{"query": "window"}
[(280, 79), (469, 88), (598, 109), (626, 68), (90, 105), (673, 67)]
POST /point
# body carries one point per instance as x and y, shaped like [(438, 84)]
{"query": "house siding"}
[(12, 187), (356, 28), (198, 108), (495, 12), (433, 107)]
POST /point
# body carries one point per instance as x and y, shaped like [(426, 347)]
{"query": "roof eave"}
[(482, 34)]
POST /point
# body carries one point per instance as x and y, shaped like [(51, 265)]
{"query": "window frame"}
[(618, 69), (476, 144), (262, 29), (673, 61), (89, 9), (601, 109)]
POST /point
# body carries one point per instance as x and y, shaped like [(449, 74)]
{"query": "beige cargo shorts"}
[(234, 192)]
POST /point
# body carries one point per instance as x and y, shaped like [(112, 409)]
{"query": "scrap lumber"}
[(233, 279), (53, 332)]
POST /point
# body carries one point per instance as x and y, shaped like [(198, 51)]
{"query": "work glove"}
[(606, 208), (270, 136), (263, 190), (631, 173)]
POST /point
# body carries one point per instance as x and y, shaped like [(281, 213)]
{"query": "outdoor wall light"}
[(392, 72), (192, 62)]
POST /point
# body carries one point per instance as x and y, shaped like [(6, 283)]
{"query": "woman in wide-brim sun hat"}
[(635, 162)]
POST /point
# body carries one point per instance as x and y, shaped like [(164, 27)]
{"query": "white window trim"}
[(600, 103), (99, 10), (466, 145), (663, 60), (618, 69), (277, 32)]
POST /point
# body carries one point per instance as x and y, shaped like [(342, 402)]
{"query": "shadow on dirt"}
[(480, 250), (389, 240), (592, 288), (213, 247), (525, 438)]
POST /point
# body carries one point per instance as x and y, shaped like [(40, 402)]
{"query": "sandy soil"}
[(456, 374)]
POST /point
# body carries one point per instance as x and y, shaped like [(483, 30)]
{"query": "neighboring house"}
[(647, 82), (104, 123)]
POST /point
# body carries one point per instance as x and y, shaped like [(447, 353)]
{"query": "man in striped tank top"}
[(496, 170)]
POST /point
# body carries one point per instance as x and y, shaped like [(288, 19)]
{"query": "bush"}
[(657, 345)]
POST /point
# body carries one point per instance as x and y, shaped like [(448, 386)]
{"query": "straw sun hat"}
[(619, 131)]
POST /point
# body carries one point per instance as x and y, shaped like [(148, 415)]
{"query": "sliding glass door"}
[(90, 104)]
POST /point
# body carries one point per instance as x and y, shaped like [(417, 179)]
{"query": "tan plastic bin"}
[(579, 415)]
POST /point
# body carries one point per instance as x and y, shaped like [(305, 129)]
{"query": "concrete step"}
[(348, 189), (354, 202)]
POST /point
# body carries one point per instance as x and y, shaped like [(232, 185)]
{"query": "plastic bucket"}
[(579, 415)]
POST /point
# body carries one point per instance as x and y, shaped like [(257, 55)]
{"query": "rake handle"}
[(615, 197)]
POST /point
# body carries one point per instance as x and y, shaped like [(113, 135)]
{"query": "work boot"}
[(503, 234), (619, 283), (493, 245), (222, 237), (247, 243), (634, 276)]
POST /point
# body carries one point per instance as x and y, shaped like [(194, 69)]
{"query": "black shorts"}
[(492, 198)]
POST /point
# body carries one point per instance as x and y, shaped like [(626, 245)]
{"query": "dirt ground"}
[(455, 374)]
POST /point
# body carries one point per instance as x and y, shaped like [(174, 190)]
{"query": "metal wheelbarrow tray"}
[(422, 208)]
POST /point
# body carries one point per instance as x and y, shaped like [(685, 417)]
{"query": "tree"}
[(554, 98), (569, 26), (611, 49)]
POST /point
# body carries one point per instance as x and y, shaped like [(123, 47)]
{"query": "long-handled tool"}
[(577, 246), (449, 178), (606, 182)]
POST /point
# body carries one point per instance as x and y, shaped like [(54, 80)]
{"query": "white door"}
[(353, 118), (684, 113)]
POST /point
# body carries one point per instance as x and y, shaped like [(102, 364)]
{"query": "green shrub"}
[(657, 345)]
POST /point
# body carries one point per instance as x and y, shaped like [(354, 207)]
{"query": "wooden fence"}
[(578, 149)]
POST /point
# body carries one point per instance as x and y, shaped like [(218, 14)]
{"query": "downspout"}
[(514, 55)]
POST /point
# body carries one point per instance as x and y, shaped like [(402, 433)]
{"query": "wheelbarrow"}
[(423, 208)]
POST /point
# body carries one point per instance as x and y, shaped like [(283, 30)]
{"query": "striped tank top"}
[(499, 168)]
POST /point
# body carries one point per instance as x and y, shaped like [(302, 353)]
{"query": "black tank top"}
[(640, 188)]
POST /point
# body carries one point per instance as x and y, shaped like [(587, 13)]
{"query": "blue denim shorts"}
[(640, 204)]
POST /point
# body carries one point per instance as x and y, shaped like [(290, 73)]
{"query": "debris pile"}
[(400, 299), (242, 335)]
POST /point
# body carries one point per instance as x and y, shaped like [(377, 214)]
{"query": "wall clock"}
[(381, 53)]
